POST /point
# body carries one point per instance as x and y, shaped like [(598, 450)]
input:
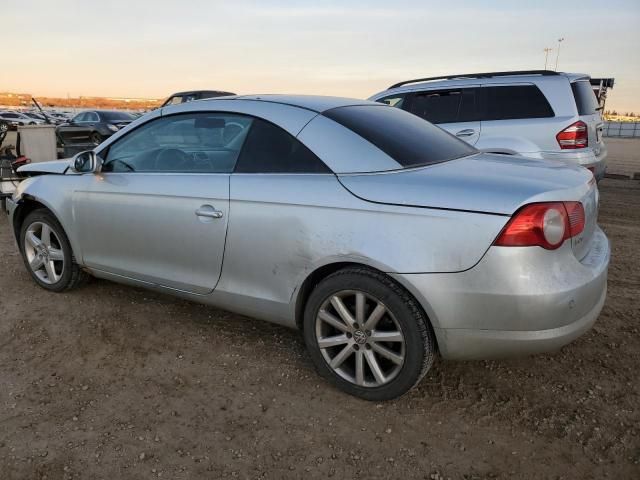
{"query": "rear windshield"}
[(585, 98), (409, 140)]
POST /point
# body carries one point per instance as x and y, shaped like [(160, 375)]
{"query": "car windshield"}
[(117, 116), (408, 139)]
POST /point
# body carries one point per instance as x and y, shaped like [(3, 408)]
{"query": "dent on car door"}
[(158, 212), (452, 109), (278, 191)]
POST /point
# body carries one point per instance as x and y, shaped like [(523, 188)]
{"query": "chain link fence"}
[(622, 129)]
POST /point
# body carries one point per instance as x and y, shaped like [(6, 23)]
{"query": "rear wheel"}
[(47, 253), (367, 335), (4, 127)]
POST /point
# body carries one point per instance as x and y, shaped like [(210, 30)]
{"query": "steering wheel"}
[(172, 159)]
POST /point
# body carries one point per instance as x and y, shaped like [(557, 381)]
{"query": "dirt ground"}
[(110, 382)]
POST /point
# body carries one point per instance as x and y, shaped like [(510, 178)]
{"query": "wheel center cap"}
[(360, 337)]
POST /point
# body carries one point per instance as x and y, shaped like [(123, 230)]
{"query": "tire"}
[(96, 138), (4, 127), (59, 270), (401, 317)]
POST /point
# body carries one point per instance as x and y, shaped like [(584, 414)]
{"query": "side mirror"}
[(86, 162)]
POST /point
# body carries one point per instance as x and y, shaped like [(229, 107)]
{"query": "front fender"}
[(45, 191)]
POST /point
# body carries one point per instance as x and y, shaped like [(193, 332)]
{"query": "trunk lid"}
[(483, 183), (590, 200)]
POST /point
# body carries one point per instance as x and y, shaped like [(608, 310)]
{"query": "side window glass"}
[(437, 106), (469, 111), (175, 100), (513, 102), (186, 143), (79, 118), (92, 117), (393, 100), (270, 149)]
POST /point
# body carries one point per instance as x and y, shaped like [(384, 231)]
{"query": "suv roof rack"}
[(476, 75)]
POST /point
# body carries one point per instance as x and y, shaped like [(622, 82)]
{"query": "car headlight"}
[(113, 128)]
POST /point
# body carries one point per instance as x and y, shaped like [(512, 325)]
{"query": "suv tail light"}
[(574, 136), (545, 225)]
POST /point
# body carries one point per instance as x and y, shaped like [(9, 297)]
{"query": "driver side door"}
[(159, 209), (76, 130)]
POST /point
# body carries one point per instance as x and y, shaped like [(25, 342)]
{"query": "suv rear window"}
[(408, 139), (586, 101), (513, 102)]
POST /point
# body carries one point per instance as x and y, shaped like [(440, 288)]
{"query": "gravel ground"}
[(111, 382), (623, 156)]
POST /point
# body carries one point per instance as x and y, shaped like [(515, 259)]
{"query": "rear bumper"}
[(473, 344), (517, 300), (594, 159)]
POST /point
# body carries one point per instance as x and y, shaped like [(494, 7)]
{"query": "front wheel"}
[(367, 335), (96, 138), (47, 253)]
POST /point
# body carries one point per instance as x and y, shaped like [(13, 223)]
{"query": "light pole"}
[(546, 56), (560, 40)]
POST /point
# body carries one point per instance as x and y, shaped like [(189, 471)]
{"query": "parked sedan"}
[(44, 118), (17, 119), (385, 239), (93, 126)]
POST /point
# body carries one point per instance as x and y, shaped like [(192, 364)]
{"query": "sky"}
[(149, 49)]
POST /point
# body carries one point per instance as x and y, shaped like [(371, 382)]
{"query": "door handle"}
[(208, 211), (467, 132)]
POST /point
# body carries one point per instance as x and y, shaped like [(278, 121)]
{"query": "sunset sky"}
[(349, 48)]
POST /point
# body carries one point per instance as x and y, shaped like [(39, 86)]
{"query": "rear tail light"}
[(574, 136), (575, 211), (545, 225)]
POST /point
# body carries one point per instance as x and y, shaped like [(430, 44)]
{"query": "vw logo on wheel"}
[(359, 336)]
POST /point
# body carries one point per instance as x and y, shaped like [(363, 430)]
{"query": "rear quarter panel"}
[(283, 227), (531, 135)]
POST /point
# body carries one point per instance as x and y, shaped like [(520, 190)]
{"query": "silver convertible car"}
[(385, 239)]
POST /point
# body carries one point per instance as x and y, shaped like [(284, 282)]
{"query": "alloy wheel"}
[(359, 338), (44, 252)]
